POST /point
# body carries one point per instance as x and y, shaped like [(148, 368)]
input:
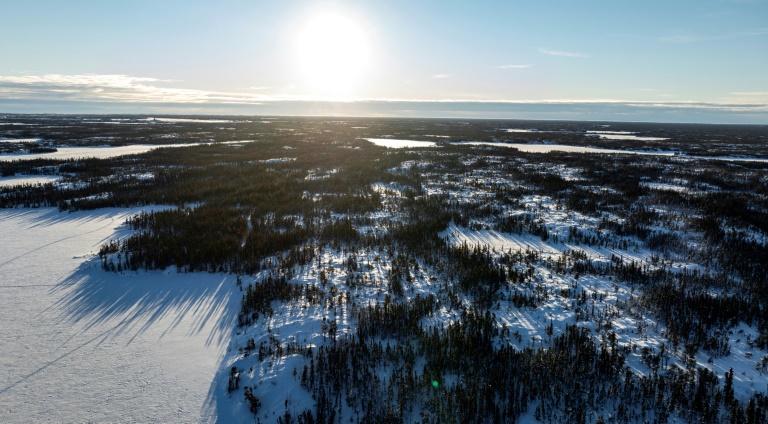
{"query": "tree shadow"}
[(195, 310), (43, 217), (127, 305), (46, 217), (130, 303)]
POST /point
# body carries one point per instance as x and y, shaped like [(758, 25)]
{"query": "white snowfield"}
[(103, 152), (78, 344), (28, 179)]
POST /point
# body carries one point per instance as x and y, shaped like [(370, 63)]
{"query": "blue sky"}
[(700, 61)]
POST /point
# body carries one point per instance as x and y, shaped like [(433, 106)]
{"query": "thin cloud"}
[(564, 54), (260, 88), (514, 66), (78, 80), (142, 92), (127, 89), (122, 88), (440, 76), (724, 106), (751, 93)]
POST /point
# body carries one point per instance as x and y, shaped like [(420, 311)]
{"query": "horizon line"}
[(283, 115), (549, 110)]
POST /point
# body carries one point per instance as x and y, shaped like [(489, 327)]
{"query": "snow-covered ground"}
[(78, 344), (28, 179), (276, 379), (633, 331), (549, 147), (101, 152), (399, 144)]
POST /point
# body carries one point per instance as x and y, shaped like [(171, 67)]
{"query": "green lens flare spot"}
[(435, 384)]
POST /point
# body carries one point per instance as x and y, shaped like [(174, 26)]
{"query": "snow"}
[(623, 135), (301, 322), (19, 140), (725, 158), (551, 147), (399, 144), (276, 160), (28, 179), (666, 187), (546, 148), (78, 344), (633, 331), (214, 121), (158, 346), (611, 132), (101, 152), (497, 240)]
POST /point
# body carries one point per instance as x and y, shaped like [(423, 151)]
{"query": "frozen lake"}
[(546, 148), (104, 152), (90, 152), (19, 140), (400, 144), (78, 344), (622, 135), (28, 179)]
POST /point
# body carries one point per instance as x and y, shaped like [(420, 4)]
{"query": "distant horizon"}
[(583, 111)]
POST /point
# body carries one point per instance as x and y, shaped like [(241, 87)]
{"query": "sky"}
[(669, 61)]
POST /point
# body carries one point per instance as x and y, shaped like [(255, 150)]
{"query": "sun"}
[(332, 54)]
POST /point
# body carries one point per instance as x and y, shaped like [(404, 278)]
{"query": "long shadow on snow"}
[(128, 304), (107, 305), (45, 217), (137, 301)]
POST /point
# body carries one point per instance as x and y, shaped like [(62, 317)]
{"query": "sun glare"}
[(332, 54)]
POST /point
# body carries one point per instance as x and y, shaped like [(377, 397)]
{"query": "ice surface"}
[(102, 152), (399, 144), (214, 121), (546, 148), (78, 344), (520, 130), (623, 135), (88, 152), (19, 140), (28, 179)]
